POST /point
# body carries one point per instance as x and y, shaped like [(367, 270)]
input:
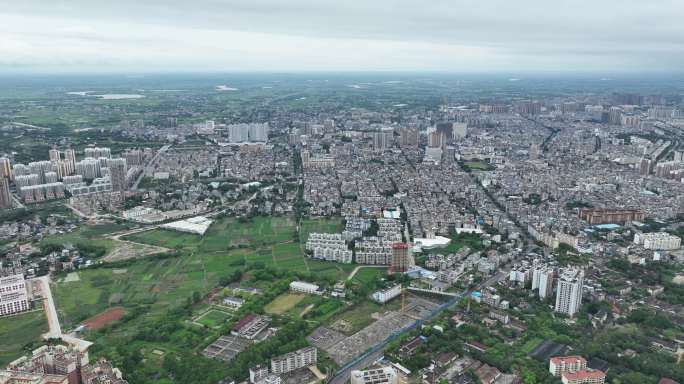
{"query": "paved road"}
[(55, 330)]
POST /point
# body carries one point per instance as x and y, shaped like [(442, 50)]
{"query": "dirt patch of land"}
[(124, 250), (104, 318)]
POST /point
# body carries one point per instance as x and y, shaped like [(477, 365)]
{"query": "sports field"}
[(479, 166), (213, 318)]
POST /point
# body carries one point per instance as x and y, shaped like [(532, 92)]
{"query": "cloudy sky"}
[(512, 36)]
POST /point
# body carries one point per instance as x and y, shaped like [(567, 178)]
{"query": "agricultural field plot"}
[(283, 303), (213, 318), (217, 263), (289, 256), (257, 232), (18, 331)]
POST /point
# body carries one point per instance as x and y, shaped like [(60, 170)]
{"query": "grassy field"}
[(367, 275), (327, 269), (283, 303), (262, 239), (214, 318), (479, 166), (18, 331)]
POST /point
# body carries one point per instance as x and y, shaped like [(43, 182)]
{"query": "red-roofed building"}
[(240, 324), (584, 377), (665, 380), (561, 364)]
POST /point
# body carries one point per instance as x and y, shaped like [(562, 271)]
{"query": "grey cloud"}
[(513, 33)]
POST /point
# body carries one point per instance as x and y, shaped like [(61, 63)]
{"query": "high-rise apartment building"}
[(13, 294), (258, 132), (5, 196), (89, 168), (542, 280), (54, 155), (97, 152), (134, 157), (400, 258), (117, 174), (70, 159), (381, 140), (20, 170), (409, 137), (40, 168), (5, 168), (569, 292), (436, 139), (26, 180)]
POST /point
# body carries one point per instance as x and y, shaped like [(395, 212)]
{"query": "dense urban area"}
[(333, 228)]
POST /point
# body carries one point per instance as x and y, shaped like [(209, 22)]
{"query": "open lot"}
[(105, 318), (359, 316)]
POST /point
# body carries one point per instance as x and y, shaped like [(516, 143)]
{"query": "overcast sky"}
[(512, 36)]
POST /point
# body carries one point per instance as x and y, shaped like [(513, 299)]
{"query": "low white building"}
[(294, 360), (233, 302), (658, 241), (197, 225), (385, 375), (304, 287), (386, 295)]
